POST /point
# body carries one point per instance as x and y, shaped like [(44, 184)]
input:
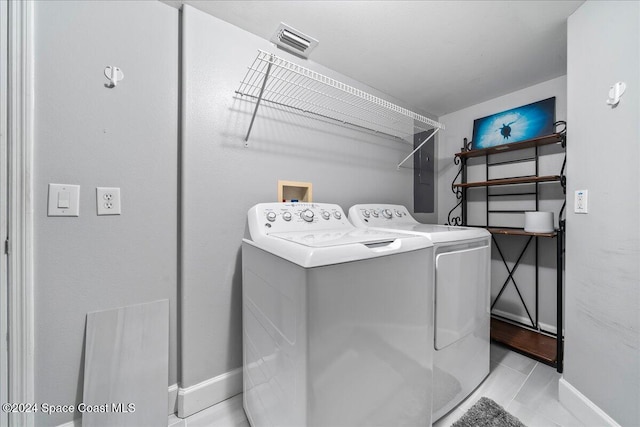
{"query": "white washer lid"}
[(315, 250), (326, 238)]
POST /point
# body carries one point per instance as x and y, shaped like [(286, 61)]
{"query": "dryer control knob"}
[(271, 216), (398, 213), (337, 215), (366, 214), (374, 213), (286, 216), (387, 213), (307, 215), (326, 215)]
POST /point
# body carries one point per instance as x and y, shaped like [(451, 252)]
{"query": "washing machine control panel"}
[(374, 215), (270, 218)]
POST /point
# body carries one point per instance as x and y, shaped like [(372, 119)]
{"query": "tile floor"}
[(526, 388)]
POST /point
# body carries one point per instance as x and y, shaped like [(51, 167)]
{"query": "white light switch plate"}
[(581, 202), (64, 200), (108, 200)]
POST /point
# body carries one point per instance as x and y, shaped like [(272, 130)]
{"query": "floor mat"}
[(487, 413)]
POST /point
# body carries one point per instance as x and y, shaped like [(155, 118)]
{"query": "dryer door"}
[(462, 286)]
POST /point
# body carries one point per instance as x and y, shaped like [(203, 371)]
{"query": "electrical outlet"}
[(581, 202), (108, 200)]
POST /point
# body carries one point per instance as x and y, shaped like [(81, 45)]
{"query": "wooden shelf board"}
[(554, 138), (530, 343), (518, 232), (508, 181)]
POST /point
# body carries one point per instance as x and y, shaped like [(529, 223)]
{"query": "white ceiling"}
[(437, 56)]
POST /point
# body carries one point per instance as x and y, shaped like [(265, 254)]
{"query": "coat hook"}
[(615, 93), (114, 74)]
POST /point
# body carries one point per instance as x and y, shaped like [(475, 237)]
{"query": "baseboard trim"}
[(207, 393), (525, 320), (581, 407), (173, 399)]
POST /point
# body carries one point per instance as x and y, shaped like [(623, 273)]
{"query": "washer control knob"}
[(366, 214), (337, 215), (374, 213), (271, 216), (387, 213), (326, 215), (398, 213), (286, 216), (307, 215)]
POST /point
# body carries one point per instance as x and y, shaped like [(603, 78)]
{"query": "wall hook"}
[(114, 74), (615, 93)]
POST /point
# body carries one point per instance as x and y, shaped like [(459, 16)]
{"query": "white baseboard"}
[(581, 407), (207, 393), (173, 399), (525, 320)]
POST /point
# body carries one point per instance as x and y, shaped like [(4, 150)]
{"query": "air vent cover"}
[(294, 41)]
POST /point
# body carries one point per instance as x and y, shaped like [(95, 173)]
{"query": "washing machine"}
[(337, 321), (462, 257)]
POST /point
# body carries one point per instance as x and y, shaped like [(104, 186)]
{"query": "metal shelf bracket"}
[(419, 146), (255, 110)]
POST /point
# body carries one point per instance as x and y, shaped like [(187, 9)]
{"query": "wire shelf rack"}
[(276, 81)]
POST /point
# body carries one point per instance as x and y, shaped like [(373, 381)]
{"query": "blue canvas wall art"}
[(518, 124)]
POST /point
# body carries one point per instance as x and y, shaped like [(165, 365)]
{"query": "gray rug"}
[(487, 413)]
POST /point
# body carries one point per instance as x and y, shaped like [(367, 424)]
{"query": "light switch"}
[(64, 200)]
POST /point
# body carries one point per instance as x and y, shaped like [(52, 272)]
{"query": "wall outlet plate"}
[(64, 200), (108, 200), (581, 202)]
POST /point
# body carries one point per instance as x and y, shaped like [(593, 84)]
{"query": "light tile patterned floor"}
[(526, 388)]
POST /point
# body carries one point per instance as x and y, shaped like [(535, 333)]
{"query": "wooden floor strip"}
[(530, 343)]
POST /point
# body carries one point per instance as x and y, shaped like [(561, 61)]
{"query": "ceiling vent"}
[(294, 41)]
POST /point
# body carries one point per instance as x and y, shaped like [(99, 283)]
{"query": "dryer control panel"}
[(268, 218), (375, 215)]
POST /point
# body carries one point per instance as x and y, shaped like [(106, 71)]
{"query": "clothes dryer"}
[(337, 321), (462, 257)]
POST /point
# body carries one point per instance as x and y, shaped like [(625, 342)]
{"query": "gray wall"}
[(222, 179), (603, 247), (89, 135), (460, 125)]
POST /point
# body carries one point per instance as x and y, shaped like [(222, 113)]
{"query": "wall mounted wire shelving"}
[(277, 81)]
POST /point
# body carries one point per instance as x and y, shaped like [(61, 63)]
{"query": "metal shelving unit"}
[(531, 340), (276, 81)]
